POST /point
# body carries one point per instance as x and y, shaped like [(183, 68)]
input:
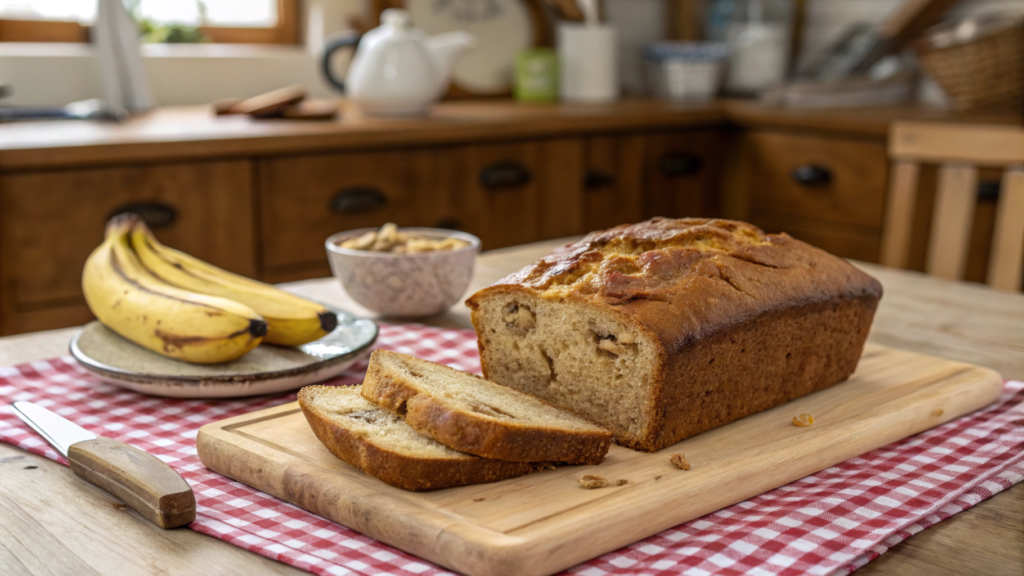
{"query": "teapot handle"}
[(333, 46)]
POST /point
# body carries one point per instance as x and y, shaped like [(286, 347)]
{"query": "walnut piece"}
[(615, 344), (608, 344), (803, 420), (519, 317), (679, 461), (389, 239), (622, 482), (591, 482)]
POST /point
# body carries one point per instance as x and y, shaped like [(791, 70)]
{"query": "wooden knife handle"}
[(142, 480)]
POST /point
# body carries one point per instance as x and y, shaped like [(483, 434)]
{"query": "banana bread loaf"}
[(665, 329)]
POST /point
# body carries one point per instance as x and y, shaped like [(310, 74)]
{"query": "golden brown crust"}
[(401, 470), (475, 433), (744, 320), (684, 279)]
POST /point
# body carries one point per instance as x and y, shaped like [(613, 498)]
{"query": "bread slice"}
[(470, 414), (385, 447)]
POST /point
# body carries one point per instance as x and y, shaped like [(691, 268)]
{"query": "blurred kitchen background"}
[(881, 130), (203, 50)]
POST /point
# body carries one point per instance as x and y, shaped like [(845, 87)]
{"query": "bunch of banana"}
[(185, 308)]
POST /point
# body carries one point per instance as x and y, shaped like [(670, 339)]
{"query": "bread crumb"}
[(938, 412), (590, 482), (803, 420), (546, 466), (622, 482), (679, 461)]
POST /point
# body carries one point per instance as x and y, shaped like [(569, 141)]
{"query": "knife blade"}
[(145, 483)]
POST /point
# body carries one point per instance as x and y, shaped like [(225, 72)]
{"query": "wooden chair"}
[(959, 150)]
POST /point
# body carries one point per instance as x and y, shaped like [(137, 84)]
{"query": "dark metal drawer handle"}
[(448, 224), (155, 214), (358, 200), (595, 180), (504, 175), (812, 176), (677, 164)]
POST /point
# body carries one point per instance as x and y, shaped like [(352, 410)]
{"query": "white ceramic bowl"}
[(410, 285)]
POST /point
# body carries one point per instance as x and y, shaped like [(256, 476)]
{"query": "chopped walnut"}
[(803, 420), (622, 482), (519, 317), (609, 345), (615, 344), (679, 461), (591, 482), (389, 239)]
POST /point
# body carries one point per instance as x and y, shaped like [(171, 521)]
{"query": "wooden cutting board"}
[(545, 522)]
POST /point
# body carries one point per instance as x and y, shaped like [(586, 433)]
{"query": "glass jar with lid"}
[(758, 35)]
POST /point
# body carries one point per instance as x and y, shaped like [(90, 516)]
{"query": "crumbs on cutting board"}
[(591, 482), (679, 461), (803, 420)]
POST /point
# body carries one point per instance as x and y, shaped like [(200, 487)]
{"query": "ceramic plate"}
[(264, 370)]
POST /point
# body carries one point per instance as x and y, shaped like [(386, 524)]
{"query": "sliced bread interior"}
[(381, 444), (474, 415)]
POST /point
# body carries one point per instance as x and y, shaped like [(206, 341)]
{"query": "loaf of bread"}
[(381, 444), (665, 329), (469, 414)]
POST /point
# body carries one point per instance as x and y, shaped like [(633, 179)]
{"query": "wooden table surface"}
[(52, 522)]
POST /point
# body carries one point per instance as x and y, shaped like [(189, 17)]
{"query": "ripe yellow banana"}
[(291, 320), (174, 322)]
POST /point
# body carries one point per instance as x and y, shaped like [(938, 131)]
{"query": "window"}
[(235, 21)]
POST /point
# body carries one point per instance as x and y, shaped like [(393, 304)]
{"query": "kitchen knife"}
[(142, 480)]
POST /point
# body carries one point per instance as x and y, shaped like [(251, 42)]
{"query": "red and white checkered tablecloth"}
[(832, 522)]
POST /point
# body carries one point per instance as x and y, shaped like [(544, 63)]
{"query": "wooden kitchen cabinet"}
[(613, 181), (518, 192), (826, 189), (305, 199), (681, 172), (51, 222), (260, 197), (631, 177)]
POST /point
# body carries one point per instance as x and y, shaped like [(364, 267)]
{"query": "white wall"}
[(55, 74)]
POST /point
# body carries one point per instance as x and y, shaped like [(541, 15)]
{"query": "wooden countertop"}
[(194, 133), (54, 522)]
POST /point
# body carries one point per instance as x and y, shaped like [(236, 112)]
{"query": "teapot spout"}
[(446, 49)]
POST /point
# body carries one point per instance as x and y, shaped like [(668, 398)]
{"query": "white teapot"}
[(397, 70)]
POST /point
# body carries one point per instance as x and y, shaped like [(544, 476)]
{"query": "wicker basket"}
[(984, 71)]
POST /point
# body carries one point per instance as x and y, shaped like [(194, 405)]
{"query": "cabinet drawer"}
[(680, 172), (819, 177), (519, 192), (306, 199), (843, 240), (47, 318), (613, 181), (53, 221)]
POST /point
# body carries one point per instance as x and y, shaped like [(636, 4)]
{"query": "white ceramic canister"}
[(588, 63)]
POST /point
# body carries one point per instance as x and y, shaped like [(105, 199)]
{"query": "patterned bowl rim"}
[(332, 243)]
